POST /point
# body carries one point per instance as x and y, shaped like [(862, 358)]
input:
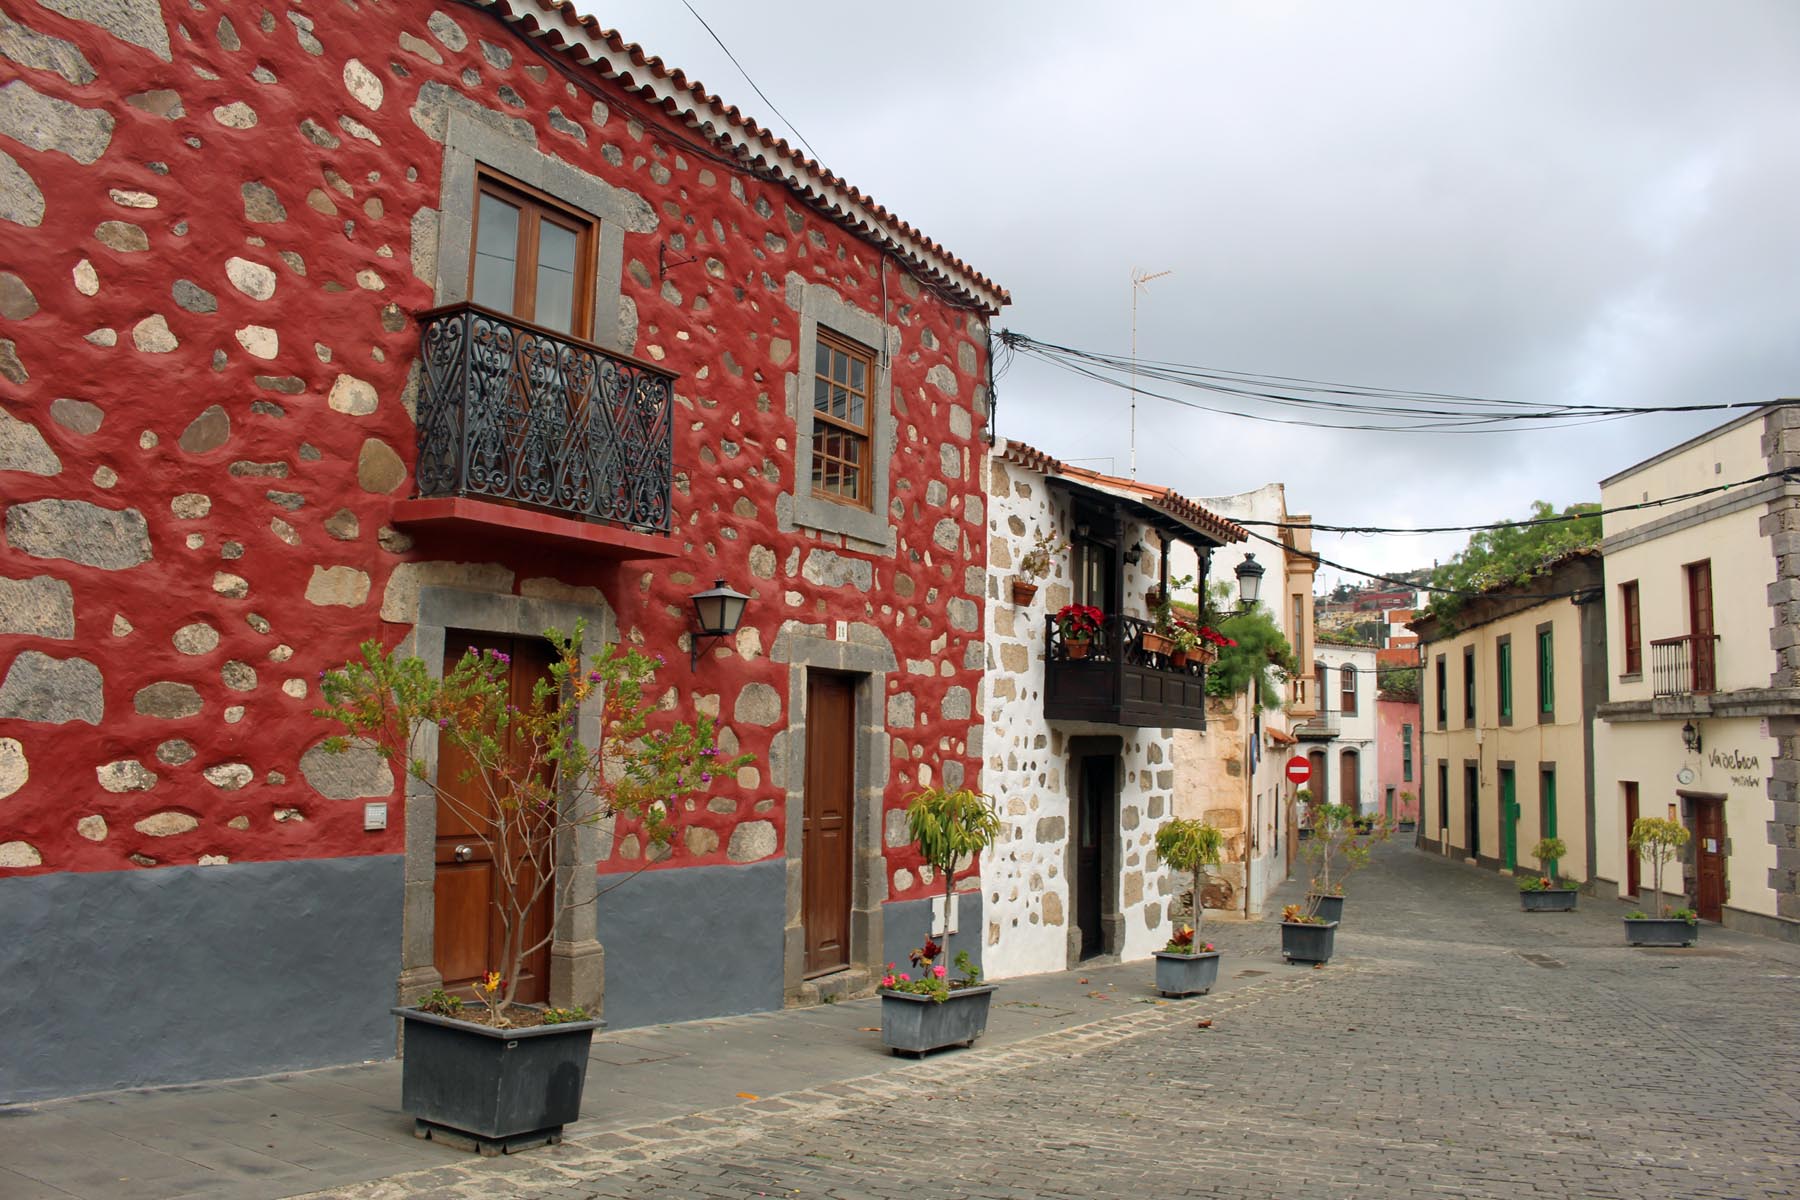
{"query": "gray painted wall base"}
[(692, 942), (133, 978), (906, 922)]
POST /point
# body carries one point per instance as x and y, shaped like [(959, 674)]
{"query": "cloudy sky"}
[(1595, 202)]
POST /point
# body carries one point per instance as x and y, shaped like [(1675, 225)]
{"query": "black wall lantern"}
[(1690, 737), (1249, 577), (719, 609)]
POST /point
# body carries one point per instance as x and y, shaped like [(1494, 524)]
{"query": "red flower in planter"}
[(1078, 622)]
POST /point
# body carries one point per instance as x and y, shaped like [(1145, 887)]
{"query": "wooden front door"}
[(1350, 781), (469, 886), (1098, 795), (1700, 624), (1321, 786), (1709, 857), (827, 835), (1632, 880)]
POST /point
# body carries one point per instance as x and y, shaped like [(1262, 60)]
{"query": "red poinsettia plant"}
[(1213, 637), (1078, 622)]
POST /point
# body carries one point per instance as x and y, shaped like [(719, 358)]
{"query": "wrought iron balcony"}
[(1319, 726), (1685, 665), (1115, 680), (518, 415)]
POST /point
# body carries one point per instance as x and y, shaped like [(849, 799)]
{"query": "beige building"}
[(1510, 685), (1231, 774), (1703, 618)]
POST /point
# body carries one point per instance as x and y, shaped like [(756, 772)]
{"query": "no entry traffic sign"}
[(1298, 770)]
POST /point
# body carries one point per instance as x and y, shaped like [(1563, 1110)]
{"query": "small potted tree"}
[(496, 1075), (949, 827), (1546, 893), (1660, 840), (1189, 966), (1306, 937), (1336, 850)]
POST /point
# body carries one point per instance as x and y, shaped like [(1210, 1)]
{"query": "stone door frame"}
[(869, 664), (577, 962), (1112, 919)]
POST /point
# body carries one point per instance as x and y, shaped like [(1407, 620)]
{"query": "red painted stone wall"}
[(206, 335)]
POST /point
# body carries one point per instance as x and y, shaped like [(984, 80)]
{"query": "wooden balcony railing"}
[(1685, 665), (1116, 681), (520, 415)]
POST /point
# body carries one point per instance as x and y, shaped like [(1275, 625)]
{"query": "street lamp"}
[(1690, 737), (1249, 577), (718, 610)]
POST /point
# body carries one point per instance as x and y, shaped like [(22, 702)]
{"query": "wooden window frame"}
[(1503, 676), (1631, 626), (533, 203), (1442, 692), (864, 498), (1347, 674), (1471, 702), (1406, 752)]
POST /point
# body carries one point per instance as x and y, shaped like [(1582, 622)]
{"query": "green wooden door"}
[(1509, 820)]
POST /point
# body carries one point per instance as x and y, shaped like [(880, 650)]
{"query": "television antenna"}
[(1138, 279)]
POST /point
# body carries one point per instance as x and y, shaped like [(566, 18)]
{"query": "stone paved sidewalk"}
[(1456, 1047)]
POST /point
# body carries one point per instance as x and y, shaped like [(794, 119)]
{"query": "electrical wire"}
[(1527, 522), (1336, 406), (801, 137)]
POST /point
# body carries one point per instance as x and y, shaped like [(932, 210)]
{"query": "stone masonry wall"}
[(222, 221), (1029, 906), (1781, 524)]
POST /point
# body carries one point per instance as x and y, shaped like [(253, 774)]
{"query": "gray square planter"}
[(1661, 931), (1329, 907), (1301, 942), (1548, 900), (913, 1024), (1186, 974), (493, 1090)]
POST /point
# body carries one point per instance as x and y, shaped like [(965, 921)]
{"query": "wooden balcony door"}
[(1509, 819), (1700, 625), (1709, 856), (469, 935), (828, 829)]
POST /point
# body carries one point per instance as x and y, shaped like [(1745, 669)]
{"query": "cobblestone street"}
[(1455, 1047)]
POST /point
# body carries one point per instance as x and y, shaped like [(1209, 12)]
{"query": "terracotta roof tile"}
[(669, 89), (1166, 500)]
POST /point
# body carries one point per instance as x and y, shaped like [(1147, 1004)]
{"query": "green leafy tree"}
[(1262, 652), (527, 780), (1660, 840), (1339, 844), (1514, 554), (950, 827), (1399, 683), (1549, 852), (1190, 845)]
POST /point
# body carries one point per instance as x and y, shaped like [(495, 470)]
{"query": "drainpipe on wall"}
[(1250, 834)]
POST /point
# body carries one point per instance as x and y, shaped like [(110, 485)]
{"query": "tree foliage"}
[(1262, 653), (1515, 554)]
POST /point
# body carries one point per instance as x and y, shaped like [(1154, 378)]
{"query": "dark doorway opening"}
[(1096, 817)]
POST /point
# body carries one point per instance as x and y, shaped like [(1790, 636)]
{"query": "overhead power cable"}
[(1330, 405), (800, 137), (1526, 522)]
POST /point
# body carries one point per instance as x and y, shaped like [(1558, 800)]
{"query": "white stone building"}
[(1080, 750), (1341, 739)]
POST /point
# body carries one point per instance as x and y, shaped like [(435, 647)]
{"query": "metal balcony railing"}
[(1325, 723), (516, 414), (1685, 665)]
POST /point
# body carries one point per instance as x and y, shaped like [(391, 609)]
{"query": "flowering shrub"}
[(1213, 637), (1296, 914), (1539, 883), (1078, 622), (1182, 942), (934, 977), (525, 779)]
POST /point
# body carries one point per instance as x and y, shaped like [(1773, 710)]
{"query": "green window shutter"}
[(1506, 686)]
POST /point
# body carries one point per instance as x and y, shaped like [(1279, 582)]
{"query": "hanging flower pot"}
[(1023, 592), (1076, 649), (1155, 643)]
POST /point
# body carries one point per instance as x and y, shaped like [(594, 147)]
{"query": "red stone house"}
[(445, 323)]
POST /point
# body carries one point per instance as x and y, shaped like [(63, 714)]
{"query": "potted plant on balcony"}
[(1187, 646), (1661, 840), (1188, 966), (504, 1076), (1160, 638), (1035, 564), (949, 828), (1076, 626), (1546, 893)]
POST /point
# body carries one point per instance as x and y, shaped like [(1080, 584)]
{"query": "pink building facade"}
[(1397, 732)]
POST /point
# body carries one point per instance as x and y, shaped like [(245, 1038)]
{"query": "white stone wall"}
[(1029, 906)]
